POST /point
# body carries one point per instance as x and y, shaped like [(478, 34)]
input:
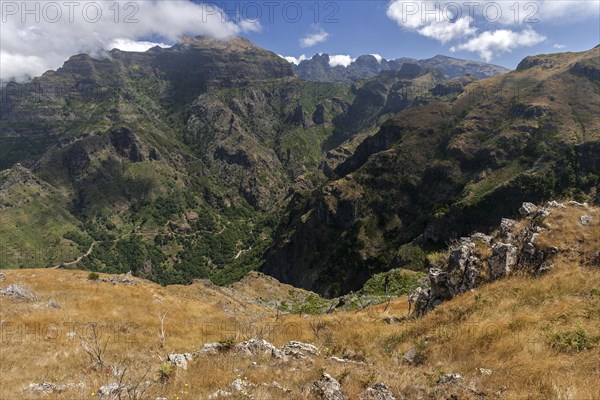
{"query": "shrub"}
[(574, 341), (165, 371), (93, 276)]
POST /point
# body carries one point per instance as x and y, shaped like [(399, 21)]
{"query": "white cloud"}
[(294, 60), (340, 59), (314, 38), (431, 19), (491, 43), (445, 31), (377, 57), (559, 46), (29, 48), (133, 45)]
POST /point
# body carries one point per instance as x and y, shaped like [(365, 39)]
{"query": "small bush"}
[(226, 345), (165, 371), (572, 341), (93, 276)]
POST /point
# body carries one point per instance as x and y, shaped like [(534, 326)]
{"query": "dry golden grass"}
[(523, 329)]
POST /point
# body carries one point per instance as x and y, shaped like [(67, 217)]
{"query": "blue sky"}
[(40, 35), (364, 27)]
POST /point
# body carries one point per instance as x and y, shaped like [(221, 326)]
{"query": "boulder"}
[(449, 378), (503, 260), (180, 360), (585, 219), (298, 349), (379, 391), (259, 347), (527, 209), (19, 292), (327, 388)]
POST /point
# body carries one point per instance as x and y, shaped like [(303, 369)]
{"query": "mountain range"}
[(322, 68), (212, 158)]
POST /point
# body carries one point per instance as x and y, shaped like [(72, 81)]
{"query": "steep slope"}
[(444, 170), (175, 163), (319, 68), (518, 337)]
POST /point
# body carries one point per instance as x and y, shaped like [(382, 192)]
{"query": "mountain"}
[(440, 171), (319, 69), (174, 163), (211, 158)]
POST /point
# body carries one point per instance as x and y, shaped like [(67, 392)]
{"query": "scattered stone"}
[(554, 204), (118, 280), (19, 292), (379, 391), (485, 371), (277, 385), (2, 276), (298, 349), (46, 387), (410, 355), (586, 219), (327, 388), (393, 320), (210, 348), (110, 390), (541, 213), (219, 393), (259, 347), (180, 360), (71, 335), (449, 378), (53, 304), (576, 204), (527, 209)]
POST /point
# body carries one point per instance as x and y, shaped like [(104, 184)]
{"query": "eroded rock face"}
[(467, 267)]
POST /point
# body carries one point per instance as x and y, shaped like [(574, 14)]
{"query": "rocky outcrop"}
[(379, 391), (19, 292), (328, 388), (467, 266)]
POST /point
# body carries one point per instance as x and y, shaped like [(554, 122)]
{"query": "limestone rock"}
[(327, 388), (180, 360), (527, 209), (449, 378), (379, 391), (19, 292)]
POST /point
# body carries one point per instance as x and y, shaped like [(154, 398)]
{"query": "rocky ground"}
[(513, 314)]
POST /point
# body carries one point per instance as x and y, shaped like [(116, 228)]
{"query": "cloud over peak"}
[(33, 43)]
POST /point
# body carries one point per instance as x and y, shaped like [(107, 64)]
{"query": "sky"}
[(40, 35)]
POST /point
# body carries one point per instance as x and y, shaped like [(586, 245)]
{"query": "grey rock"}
[(46, 387), (393, 320), (299, 346), (19, 292), (379, 391), (180, 360), (449, 378), (527, 209), (503, 260), (586, 219), (53, 304), (577, 204), (327, 388), (554, 204), (259, 347), (219, 393)]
